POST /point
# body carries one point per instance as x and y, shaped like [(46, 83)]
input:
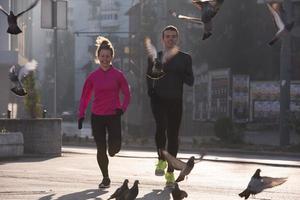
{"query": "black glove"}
[(119, 111), (80, 120)]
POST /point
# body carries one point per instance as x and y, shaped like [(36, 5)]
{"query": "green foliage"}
[(32, 99), (225, 129)]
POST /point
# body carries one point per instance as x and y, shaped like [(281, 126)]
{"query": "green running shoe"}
[(170, 179), (160, 168)]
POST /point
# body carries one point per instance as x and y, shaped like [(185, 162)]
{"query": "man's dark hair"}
[(170, 28)]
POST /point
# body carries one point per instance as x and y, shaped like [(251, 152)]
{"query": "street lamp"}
[(54, 16)]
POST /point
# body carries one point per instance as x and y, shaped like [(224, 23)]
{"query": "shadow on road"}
[(157, 195), (83, 195)]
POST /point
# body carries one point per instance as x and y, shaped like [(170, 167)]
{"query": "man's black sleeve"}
[(188, 76), (149, 80)]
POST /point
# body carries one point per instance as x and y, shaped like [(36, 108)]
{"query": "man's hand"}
[(119, 111), (80, 120)]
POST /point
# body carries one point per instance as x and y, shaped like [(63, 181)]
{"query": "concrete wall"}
[(41, 136), (11, 144)]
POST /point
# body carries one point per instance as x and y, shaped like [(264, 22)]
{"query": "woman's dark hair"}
[(103, 43)]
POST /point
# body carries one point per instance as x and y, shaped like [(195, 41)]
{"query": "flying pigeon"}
[(120, 190), (279, 18), (132, 193), (158, 61), (196, 20), (178, 194), (185, 168), (208, 10), (17, 74), (12, 19), (258, 183)]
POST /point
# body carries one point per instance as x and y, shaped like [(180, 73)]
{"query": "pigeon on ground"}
[(120, 190), (132, 193), (258, 183), (209, 9), (178, 194), (185, 168), (17, 74), (12, 19), (279, 18)]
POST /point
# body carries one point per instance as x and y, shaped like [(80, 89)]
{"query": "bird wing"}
[(277, 18), (29, 8), (12, 69), (174, 162), (200, 158), (13, 75), (30, 66), (151, 50), (269, 182), (196, 20), (4, 11)]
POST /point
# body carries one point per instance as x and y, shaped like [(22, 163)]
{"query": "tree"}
[(32, 99)]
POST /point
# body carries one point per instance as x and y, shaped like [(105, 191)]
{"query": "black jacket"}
[(178, 71)]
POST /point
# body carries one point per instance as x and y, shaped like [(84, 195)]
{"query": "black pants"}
[(167, 114), (101, 126)]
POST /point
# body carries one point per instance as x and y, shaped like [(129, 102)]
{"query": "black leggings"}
[(167, 114), (101, 125)]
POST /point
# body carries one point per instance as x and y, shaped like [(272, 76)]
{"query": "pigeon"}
[(196, 20), (178, 194), (185, 168), (132, 193), (158, 61), (279, 18), (13, 27), (17, 74), (120, 190), (209, 9), (258, 183)]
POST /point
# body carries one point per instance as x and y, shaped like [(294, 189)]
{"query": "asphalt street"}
[(75, 175)]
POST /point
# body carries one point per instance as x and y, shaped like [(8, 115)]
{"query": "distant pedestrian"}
[(105, 84)]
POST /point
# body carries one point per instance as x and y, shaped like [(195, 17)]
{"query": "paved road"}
[(75, 175)]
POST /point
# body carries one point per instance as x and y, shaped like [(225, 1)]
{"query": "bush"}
[(225, 129)]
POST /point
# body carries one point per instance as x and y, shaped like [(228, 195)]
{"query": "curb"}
[(216, 155)]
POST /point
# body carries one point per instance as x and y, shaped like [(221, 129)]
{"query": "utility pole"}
[(54, 20), (285, 79), (285, 72)]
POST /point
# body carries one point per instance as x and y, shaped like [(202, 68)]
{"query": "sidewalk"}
[(213, 155)]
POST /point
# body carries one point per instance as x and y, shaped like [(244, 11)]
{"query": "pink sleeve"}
[(125, 91), (85, 97)]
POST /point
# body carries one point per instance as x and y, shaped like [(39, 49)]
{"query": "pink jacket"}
[(106, 87)]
